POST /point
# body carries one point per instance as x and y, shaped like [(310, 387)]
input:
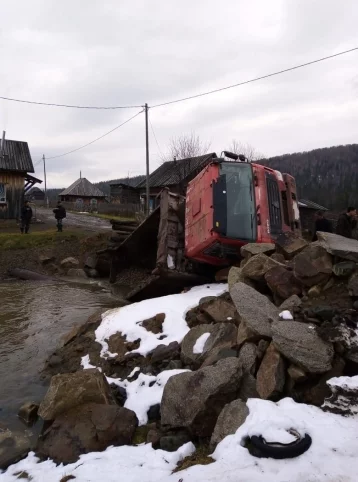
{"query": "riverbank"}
[(31, 251)]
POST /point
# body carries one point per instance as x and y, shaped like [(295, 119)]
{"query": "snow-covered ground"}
[(128, 318), (332, 456)]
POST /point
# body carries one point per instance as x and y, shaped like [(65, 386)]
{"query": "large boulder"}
[(232, 416), (252, 249), (194, 400), (247, 357), (236, 276), (254, 309), (289, 244), (282, 282), (313, 265), (219, 310), (257, 266), (69, 390), (211, 339), (87, 428), (300, 343), (339, 246), (271, 375)]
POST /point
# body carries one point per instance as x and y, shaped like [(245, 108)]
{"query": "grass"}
[(9, 241), (199, 457), (111, 216)]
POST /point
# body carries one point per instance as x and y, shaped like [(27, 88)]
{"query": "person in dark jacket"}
[(321, 224), (26, 216), (347, 222), (60, 214)]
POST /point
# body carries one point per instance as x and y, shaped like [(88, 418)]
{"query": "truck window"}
[(234, 203)]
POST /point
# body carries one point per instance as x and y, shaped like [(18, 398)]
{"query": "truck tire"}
[(258, 447)]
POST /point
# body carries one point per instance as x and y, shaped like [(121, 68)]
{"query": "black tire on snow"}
[(258, 447)]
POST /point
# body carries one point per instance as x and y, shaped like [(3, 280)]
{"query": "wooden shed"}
[(15, 180)]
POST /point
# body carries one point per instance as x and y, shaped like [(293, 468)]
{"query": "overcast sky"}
[(128, 52)]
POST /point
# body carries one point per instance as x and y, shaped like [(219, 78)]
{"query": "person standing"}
[(60, 214), (347, 222), (26, 216), (321, 224)]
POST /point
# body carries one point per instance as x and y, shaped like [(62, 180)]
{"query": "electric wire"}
[(72, 106), (155, 137)]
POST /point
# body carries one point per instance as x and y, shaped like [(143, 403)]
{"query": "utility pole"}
[(44, 159), (147, 158)]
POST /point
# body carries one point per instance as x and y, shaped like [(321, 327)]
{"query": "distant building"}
[(83, 193), (175, 175), (308, 210), (15, 180), (35, 194), (124, 194)]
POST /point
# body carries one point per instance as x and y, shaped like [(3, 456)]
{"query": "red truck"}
[(185, 240)]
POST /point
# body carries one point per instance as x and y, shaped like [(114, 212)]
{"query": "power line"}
[(92, 142), (255, 79), (155, 137), (72, 106)]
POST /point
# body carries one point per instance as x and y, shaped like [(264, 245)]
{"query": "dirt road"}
[(72, 220)]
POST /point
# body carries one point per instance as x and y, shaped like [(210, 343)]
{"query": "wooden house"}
[(15, 180), (36, 194), (83, 193), (174, 175), (123, 194)]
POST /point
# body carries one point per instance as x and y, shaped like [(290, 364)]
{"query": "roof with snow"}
[(82, 187), (171, 173)]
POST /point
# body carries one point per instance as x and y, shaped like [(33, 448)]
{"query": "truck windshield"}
[(236, 201)]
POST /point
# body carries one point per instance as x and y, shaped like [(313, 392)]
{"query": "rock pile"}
[(287, 325)]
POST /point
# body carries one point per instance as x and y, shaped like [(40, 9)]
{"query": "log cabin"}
[(15, 180)]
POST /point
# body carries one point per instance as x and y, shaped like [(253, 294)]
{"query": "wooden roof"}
[(83, 188), (16, 157)]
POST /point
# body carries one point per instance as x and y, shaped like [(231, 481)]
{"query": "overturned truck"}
[(187, 239)]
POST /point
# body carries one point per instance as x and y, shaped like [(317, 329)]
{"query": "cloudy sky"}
[(128, 52)]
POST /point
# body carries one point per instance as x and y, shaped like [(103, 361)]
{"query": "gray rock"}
[(77, 273), (353, 285), (70, 262), (344, 269), (72, 389), (222, 335), (292, 302), (219, 311), (254, 309), (289, 244), (165, 352), (14, 446), (206, 299), (174, 365), (91, 261), (46, 259), (244, 334), (339, 246), (323, 312), (236, 276), (271, 375), (87, 428), (218, 354), (313, 265), (297, 374), (92, 273), (282, 282), (232, 416), (300, 343), (194, 400), (248, 387), (28, 413), (257, 266), (252, 249), (171, 443), (247, 357)]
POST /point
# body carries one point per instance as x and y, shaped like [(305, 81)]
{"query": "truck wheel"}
[(258, 447)]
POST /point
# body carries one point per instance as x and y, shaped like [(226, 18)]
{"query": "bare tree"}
[(185, 146), (247, 150)]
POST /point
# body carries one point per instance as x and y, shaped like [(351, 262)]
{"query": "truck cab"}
[(231, 203)]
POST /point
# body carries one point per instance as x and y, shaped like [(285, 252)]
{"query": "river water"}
[(33, 318)]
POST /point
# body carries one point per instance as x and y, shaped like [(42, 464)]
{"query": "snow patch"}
[(350, 383), (127, 319), (286, 315), (86, 364), (200, 343), (170, 262)]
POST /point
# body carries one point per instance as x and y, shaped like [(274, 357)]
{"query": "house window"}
[(2, 193)]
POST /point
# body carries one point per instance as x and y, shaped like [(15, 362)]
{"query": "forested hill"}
[(327, 176)]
